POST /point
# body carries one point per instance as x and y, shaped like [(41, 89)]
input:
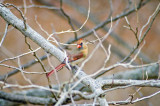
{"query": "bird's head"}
[(80, 44)]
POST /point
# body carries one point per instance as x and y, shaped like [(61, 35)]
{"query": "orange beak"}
[(79, 46)]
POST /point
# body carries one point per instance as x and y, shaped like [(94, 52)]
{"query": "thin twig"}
[(35, 55), (68, 18), (5, 33), (102, 24), (30, 63), (154, 15)]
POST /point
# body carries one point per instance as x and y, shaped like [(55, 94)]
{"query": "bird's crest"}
[(79, 41)]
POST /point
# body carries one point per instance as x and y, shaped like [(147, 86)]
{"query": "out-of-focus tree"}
[(122, 66)]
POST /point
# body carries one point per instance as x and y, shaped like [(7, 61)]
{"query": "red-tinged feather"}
[(57, 68), (75, 57)]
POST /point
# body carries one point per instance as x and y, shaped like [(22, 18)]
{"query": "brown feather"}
[(78, 55)]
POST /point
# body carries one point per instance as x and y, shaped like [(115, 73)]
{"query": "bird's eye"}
[(80, 45)]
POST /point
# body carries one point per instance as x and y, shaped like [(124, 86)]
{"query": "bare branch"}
[(102, 24), (9, 17), (5, 33), (26, 99), (32, 62), (154, 15), (68, 18), (29, 32)]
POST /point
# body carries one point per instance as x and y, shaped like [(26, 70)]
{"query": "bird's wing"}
[(75, 57)]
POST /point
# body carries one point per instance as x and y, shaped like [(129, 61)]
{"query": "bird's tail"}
[(57, 69)]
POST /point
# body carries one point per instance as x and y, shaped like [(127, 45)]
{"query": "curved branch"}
[(9, 17)]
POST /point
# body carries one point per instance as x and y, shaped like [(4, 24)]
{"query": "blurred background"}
[(52, 19)]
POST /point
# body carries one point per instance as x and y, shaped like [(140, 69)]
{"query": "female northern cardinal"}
[(74, 57)]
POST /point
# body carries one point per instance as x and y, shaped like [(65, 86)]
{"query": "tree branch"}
[(137, 74), (102, 24), (25, 99), (9, 17)]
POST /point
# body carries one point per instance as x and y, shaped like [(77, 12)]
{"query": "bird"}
[(77, 55)]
